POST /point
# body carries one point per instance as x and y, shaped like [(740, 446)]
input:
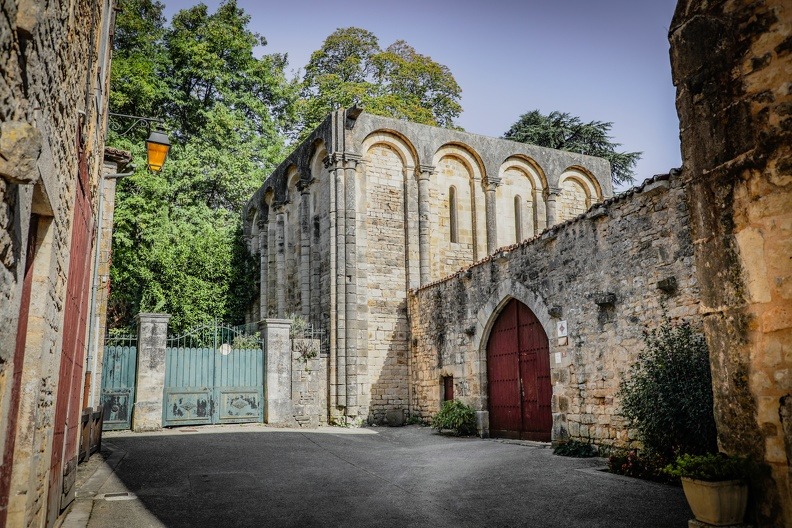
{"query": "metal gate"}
[(518, 375), (214, 374), (118, 382)]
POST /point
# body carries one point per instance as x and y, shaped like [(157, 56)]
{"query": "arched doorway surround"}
[(518, 375)]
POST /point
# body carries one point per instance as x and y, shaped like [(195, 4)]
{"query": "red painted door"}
[(518, 375), (63, 464)]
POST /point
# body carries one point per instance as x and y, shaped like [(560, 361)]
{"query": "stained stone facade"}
[(368, 208), (610, 274), (54, 79), (732, 66)]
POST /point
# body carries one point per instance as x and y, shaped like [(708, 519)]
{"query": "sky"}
[(604, 60)]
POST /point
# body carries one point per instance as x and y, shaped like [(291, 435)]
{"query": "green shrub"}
[(667, 395), (457, 417), (712, 467), (643, 466), (575, 449)]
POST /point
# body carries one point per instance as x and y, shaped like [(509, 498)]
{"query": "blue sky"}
[(601, 60)]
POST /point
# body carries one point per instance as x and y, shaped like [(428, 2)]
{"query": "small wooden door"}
[(518, 375)]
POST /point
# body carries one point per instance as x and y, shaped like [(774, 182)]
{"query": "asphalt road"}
[(379, 477)]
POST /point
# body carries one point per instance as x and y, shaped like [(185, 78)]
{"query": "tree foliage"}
[(667, 395), (560, 130), (177, 243), (350, 68)]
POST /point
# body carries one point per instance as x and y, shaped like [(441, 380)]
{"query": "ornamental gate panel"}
[(118, 382), (214, 374), (518, 375)]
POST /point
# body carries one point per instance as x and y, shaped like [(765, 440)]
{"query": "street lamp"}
[(157, 148), (157, 145)]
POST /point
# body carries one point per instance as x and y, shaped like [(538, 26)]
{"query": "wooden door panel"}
[(503, 374), (518, 374)]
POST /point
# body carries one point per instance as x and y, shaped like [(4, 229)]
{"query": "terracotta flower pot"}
[(719, 503)]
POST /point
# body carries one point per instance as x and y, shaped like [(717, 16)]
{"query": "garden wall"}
[(610, 274)]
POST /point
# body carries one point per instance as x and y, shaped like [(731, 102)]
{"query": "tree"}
[(177, 243), (350, 68), (560, 130)]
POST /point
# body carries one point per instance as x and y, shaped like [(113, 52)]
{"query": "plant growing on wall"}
[(667, 394)]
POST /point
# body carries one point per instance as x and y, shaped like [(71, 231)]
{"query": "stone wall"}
[(309, 383), (360, 213), (732, 65), (53, 82), (610, 274)]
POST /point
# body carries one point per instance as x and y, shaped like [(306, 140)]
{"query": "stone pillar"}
[(264, 275), (280, 262), (305, 250), (552, 205), (529, 221), (424, 224), (335, 165), (150, 379), (491, 216), (278, 406), (350, 275), (540, 211)]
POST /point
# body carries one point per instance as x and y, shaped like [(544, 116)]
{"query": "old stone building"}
[(368, 208), (572, 303), (732, 66), (55, 59), (388, 234)]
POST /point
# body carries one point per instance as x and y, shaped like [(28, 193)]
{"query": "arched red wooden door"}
[(518, 375)]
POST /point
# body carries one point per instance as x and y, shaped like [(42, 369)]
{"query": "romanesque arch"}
[(456, 190), (386, 182), (579, 191), (395, 141), (317, 228), (523, 179)]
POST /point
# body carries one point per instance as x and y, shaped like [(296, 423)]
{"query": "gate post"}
[(278, 406), (150, 379)]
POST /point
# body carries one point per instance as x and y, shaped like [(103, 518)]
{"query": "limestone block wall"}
[(732, 66), (309, 383), (628, 247), (53, 82), (360, 213), (382, 249)]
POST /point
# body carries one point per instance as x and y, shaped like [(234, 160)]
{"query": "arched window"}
[(452, 213), (518, 223)]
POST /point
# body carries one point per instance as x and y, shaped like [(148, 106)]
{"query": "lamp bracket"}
[(138, 120)]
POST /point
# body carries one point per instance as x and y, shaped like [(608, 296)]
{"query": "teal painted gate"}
[(214, 374), (118, 382)]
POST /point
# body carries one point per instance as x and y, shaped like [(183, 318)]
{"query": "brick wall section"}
[(625, 247), (731, 64)]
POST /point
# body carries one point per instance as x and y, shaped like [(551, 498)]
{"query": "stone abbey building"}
[(369, 208), (444, 264)]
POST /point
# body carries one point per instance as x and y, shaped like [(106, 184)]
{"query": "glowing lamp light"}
[(157, 148)]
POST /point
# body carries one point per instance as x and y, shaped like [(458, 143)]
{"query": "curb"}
[(79, 513)]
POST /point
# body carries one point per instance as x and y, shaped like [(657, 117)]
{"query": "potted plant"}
[(714, 485)]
